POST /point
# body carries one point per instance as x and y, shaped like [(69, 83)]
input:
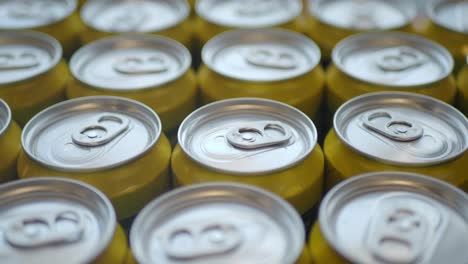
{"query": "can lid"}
[(5, 116), (404, 129), (247, 136), (261, 55), (91, 133), (49, 220), (248, 13), (218, 223), (130, 62), (450, 14), (393, 59), (124, 16), (26, 54), (396, 218), (364, 14), (29, 14)]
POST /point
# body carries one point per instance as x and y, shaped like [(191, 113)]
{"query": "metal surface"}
[(5, 116), (449, 14)]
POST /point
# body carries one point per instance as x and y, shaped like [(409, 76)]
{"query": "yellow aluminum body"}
[(130, 258), (117, 251), (320, 251), (129, 186), (10, 145), (463, 90), (81, 3)]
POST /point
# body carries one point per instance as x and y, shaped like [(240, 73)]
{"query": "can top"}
[(30, 14), (123, 16), (218, 223), (261, 55), (5, 116), (248, 13), (364, 15), (130, 62), (450, 14), (247, 136), (91, 133), (404, 129), (396, 218), (392, 59), (49, 220), (26, 54)]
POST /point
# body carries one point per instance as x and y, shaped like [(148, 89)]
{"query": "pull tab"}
[(255, 8), (271, 58), (363, 14), (392, 126), (202, 240), (142, 65), (129, 19), (50, 228), (101, 130), (37, 9), (254, 135), (399, 59), (18, 60)]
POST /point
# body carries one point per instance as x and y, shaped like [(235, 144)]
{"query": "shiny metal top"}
[(29, 14), (91, 134), (26, 54), (393, 59), (218, 223), (130, 62), (261, 55), (54, 221), (5, 116), (396, 218), (364, 14), (404, 129), (247, 136), (248, 13), (450, 14), (124, 16)]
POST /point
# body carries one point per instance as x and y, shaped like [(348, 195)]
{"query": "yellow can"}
[(33, 74), (463, 89), (392, 131), (150, 69), (112, 143), (252, 141), (329, 22), (10, 143), (170, 18), (81, 3), (59, 221), (391, 217)]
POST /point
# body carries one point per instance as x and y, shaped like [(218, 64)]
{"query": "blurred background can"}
[(463, 89), (10, 143)]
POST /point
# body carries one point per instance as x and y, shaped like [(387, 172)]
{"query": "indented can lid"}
[(393, 59), (261, 55), (402, 128), (248, 13), (52, 220), (5, 116), (396, 218), (218, 223), (26, 54), (130, 62), (450, 14), (364, 14), (91, 133), (247, 136), (124, 16)]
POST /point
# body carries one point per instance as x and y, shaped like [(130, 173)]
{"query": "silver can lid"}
[(404, 129), (450, 14), (247, 136), (261, 55), (130, 62), (50, 220), (5, 116), (29, 14), (392, 59), (364, 14), (396, 218), (125, 16), (91, 133), (248, 13), (26, 54), (218, 223)]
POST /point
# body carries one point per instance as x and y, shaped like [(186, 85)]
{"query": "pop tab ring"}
[(271, 58), (96, 133), (253, 135), (398, 128), (18, 60)]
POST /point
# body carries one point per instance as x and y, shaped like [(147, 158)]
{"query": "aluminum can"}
[(169, 18), (33, 74), (10, 143), (81, 3), (391, 61), (463, 89), (51, 220), (218, 223), (392, 131), (252, 141), (150, 69), (391, 217), (269, 63), (112, 143)]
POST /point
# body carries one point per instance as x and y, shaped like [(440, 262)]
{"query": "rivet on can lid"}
[(450, 14), (5, 116)]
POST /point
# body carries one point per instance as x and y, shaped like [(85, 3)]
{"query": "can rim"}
[(431, 12), (8, 119)]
